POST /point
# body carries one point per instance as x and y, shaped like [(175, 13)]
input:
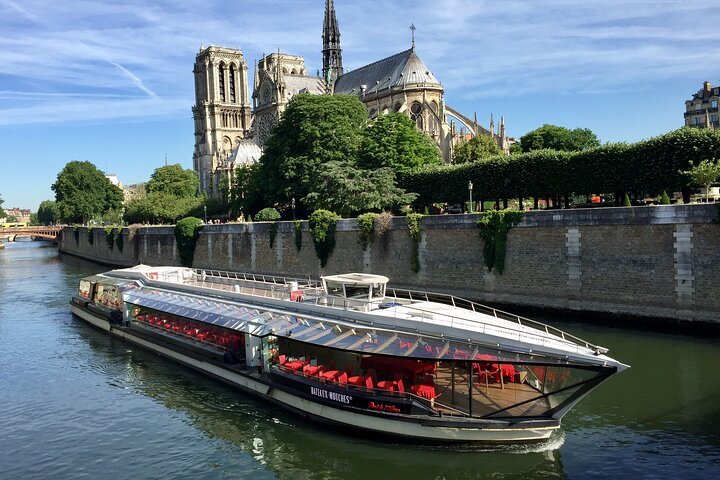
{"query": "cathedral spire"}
[(332, 53)]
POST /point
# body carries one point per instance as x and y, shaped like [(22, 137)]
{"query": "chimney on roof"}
[(707, 86)]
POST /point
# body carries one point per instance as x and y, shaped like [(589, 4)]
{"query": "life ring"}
[(153, 275)]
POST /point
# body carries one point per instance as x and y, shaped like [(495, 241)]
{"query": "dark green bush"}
[(110, 237), (322, 229), (494, 226), (664, 199), (119, 239), (90, 235), (415, 233), (267, 215), (298, 235), (366, 227), (187, 232)]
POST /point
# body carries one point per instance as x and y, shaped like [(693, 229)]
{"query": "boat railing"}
[(416, 295), (270, 280)]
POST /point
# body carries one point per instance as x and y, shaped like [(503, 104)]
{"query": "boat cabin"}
[(356, 291)]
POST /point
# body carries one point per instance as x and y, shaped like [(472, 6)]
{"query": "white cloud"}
[(478, 48)]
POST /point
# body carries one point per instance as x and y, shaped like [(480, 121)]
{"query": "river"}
[(77, 403)]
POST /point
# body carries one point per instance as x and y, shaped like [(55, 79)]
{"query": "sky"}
[(111, 81)]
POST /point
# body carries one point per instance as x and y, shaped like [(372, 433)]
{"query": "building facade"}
[(701, 110), (222, 113), (228, 134)]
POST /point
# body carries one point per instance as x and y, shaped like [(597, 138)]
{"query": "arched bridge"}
[(35, 233)]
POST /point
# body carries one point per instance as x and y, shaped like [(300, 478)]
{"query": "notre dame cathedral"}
[(231, 126)]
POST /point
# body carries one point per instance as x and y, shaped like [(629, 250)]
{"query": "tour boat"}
[(349, 351)]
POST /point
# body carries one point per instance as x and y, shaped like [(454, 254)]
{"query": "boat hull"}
[(412, 428)]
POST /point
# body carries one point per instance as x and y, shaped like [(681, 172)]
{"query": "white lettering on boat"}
[(334, 396)]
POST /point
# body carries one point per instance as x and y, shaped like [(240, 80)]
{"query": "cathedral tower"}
[(221, 113), (332, 53)]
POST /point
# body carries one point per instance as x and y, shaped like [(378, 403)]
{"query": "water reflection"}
[(78, 403)]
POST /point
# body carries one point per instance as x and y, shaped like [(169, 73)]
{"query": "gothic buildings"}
[(228, 135)]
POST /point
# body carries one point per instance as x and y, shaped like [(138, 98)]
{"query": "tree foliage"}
[(477, 148), (314, 129), (267, 215), (174, 180), (161, 208), (558, 138), (47, 213), (2, 212), (704, 174), (83, 192), (347, 190), (322, 225), (394, 141), (650, 166)]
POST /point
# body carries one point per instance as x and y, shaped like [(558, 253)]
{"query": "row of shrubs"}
[(650, 166)]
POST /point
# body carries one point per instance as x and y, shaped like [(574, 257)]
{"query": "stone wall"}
[(660, 261)]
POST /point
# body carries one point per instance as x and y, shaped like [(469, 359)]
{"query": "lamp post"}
[(292, 204), (205, 210), (470, 185)]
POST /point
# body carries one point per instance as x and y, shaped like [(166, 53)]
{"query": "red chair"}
[(282, 359), (386, 385), (399, 387), (342, 378), (357, 380), (371, 373), (369, 382)]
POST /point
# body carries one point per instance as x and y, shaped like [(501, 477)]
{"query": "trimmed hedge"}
[(649, 166), (322, 229)]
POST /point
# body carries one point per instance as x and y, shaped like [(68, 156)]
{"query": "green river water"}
[(77, 403)]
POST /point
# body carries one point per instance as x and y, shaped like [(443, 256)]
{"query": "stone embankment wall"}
[(655, 261)]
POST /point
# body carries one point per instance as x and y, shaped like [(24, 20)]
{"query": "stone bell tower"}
[(221, 114)]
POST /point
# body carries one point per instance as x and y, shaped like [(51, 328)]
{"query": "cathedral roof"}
[(295, 84), (246, 153), (404, 68)]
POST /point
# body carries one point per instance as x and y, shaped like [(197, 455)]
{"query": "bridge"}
[(49, 234)]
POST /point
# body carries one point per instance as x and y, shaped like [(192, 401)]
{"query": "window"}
[(714, 104), (416, 114), (232, 84), (357, 291), (221, 82)]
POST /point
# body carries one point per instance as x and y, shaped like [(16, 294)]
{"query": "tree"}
[(175, 180), (477, 148), (160, 208), (394, 141), (47, 212), (343, 188), (559, 138), (2, 212), (704, 174), (314, 129), (83, 192)]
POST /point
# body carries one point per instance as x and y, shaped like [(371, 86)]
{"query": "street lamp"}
[(205, 209), (470, 185), (292, 203)]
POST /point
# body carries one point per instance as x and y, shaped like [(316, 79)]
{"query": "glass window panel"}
[(357, 292), (335, 288)]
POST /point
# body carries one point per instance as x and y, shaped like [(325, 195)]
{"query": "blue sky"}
[(110, 82)]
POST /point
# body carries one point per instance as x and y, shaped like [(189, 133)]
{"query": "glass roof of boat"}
[(325, 332)]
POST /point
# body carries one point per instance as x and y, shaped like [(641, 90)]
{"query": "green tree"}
[(47, 212), (314, 129), (11, 219), (479, 147), (704, 174), (343, 188), (175, 180), (34, 220), (2, 212), (394, 141), (559, 138), (160, 208), (83, 192)]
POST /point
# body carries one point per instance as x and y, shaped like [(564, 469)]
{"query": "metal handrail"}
[(313, 294), (497, 313)]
